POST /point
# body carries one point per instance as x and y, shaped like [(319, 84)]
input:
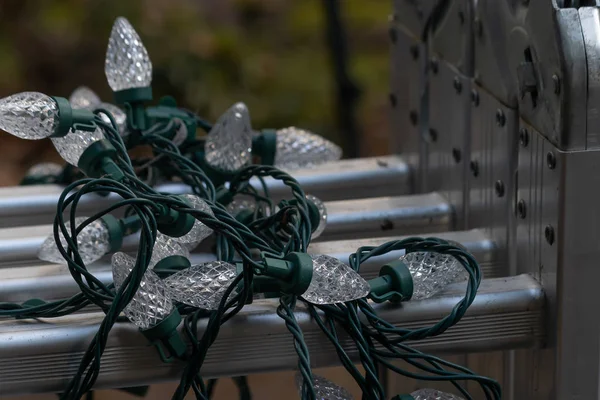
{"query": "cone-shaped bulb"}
[(92, 243), (199, 231), (298, 148), (322, 215), (202, 285), (432, 272), (432, 394), (29, 115), (71, 146), (44, 169), (229, 143), (151, 303), (84, 98), (127, 63), (325, 389), (334, 282), (166, 246)]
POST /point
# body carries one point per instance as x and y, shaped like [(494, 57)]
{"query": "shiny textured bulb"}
[(44, 169), (71, 146), (29, 115), (151, 303), (92, 243), (119, 116), (166, 246), (325, 389), (322, 215), (199, 231), (229, 144), (334, 282), (432, 394), (203, 285), (238, 205), (127, 63), (432, 272), (84, 98), (298, 148)]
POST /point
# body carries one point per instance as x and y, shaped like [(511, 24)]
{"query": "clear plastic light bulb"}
[(152, 301), (199, 231), (119, 116), (334, 282), (325, 389), (84, 98), (299, 148), (229, 144), (432, 394), (166, 246), (322, 215), (432, 272), (71, 146), (127, 62), (29, 115), (202, 285), (240, 204), (92, 243), (44, 169)]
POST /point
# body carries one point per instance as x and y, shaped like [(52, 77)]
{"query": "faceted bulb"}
[(166, 246), (119, 116), (29, 115), (44, 169), (298, 148), (199, 231), (229, 144), (325, 389), (322, 215), (334, 282), (238, 205), (92, 243), (432, 272), (83, 98), (203, 285), (151, 303), (71, 146), (432, 394), (127, 63)]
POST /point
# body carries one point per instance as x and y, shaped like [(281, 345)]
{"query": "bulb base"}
[(174, 223), (115, 232), (133, 100), (313, 213), (294, 273), (78, 119), (394, 284), (98, 160), (265, 146), (164, 336), (171, 264), (166, 112), (403, 397)]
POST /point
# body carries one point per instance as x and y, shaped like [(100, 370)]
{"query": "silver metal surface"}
[(42, 356), (52, 282), (381, 216), (346, 179), (452, 36)]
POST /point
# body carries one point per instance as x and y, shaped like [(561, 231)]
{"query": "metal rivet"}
[(414, 51), (549, 234), (393, 99), (414, 118), (475, 97), (500, 117), (551, 160), (433, 135), (522, 209), (456, 155), (474, 165), (556, 81), (523, 137), (434, 65), (457, 84), (393, 35), (499, 187)]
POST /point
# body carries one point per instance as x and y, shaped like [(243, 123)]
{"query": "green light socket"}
[(98, 160), (313, 213), (71, 118), (133, 100), (171, 264), (294, 272), (403, 397), (265, 146), (173, 223), (115, 232), (394, 284), (164, 336)]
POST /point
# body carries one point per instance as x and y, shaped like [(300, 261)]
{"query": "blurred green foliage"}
[(271, 54)]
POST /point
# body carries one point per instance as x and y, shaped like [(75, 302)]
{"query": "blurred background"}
[(318, 64)]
